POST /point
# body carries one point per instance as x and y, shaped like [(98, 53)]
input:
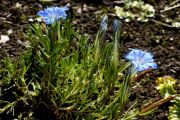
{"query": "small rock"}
[(31, 20), (85, 7), (79, 10), (10, 31), (172, 48), (4, 38), (19, 42), (18, 5), (171, 39)]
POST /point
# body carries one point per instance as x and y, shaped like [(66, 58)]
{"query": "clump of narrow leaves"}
[(63, 76), (68, 76)]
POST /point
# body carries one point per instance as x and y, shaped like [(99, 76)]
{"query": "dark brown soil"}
[(161, 40)]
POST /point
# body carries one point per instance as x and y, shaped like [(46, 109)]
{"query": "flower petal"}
[(51, 14), (42, 13), (141, 60)]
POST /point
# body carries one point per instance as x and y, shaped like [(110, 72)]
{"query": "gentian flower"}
[(116, 25), (51, 14), (103, 27), (117, 29), (141, 60), (103, 24)]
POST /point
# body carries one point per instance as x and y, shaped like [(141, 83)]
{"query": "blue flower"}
[(141, 60), (51, 14), (103, 24), (116, 25)]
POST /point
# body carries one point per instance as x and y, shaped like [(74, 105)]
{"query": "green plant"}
[(166, 85), (63, 76), (135, 10), (15, 86), (70, 76)]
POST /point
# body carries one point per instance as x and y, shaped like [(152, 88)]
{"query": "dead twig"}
[(175, 2), (163, 24), (156, 104), (170, 8)]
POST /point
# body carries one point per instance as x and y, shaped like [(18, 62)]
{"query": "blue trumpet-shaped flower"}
[(141, 60), (103, 25), (116, 25), (51, 14)]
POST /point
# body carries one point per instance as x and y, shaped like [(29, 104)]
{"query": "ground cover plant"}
[(63, 76), (73, 79)]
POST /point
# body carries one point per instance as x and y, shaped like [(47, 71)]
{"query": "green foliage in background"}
[(135, 10)]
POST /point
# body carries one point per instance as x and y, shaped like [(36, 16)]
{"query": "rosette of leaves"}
[(166, 85), (135, 10)]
